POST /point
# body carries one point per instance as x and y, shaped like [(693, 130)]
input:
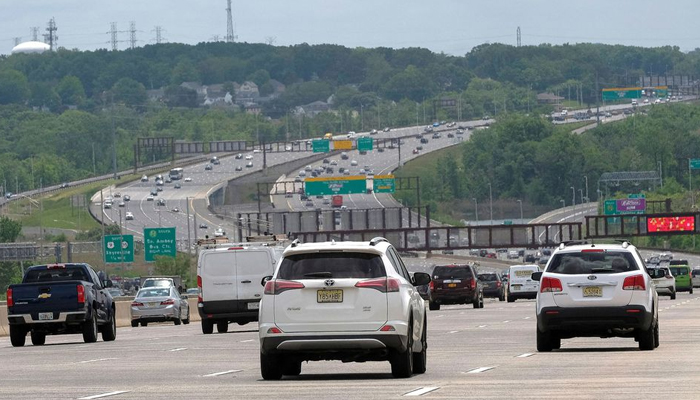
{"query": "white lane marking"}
[(421, 391), (98, 396), (505, 322), (481, 326), (453, 331), (178, 349), (525, 355), (246, 341), (440, 316), (232, 371), (95, 360), (526, 318), (479, 370)]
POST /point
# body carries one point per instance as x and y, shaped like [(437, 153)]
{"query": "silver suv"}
[(596, 290), (348, 301)]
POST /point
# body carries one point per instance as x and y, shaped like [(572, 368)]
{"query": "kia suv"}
[(348, 301), (455, 284), (596, 290), (664, 282)]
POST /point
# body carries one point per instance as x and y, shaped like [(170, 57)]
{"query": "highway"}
[(472, 354)]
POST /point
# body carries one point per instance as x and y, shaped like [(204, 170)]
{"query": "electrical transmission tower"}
[(114, 34), (132, 34), (519, 43), (34, 32), (159, 35), (51, 38), (18, 40), (230, 37)]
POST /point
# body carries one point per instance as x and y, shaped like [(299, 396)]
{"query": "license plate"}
[(45, 316), (451, 285), (592, 291), (152, 304), (254, 306), (329, 296), (515, 287)]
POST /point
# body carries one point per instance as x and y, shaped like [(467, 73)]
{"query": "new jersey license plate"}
[(592, 291), (329, 296), (254, 306), (45, 316)]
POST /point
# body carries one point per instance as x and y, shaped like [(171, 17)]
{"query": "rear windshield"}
[(55, 275), (592, 263), (449, 272), (331, 265), (657, 272), (696, 272), (154, 292), (488, 277), (676, 271)]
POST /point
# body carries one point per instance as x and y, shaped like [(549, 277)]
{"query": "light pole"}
[(476, 210), (563, 203), (490, 203), (362, 117), (586, 178), (573, 197), (521, 210), (580, 192)]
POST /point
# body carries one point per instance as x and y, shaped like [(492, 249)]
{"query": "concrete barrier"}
[(123, 314)]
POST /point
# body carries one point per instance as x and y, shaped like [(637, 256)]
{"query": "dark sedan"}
[(493, 285)]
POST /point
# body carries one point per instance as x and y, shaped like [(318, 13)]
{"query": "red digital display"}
[(681, 223)]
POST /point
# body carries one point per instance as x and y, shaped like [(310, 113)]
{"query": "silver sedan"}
[(158, 304)]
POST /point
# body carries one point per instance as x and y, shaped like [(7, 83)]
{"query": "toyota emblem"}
[(330, 282), (592, 277)]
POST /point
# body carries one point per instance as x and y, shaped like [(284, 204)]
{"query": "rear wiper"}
[(318, 275)]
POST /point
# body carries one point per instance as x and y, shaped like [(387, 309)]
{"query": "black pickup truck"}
[(58, 299)]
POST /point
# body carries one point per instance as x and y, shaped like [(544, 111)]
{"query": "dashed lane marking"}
[(232, 371), (178, 349), (99, 396), (479, 370), (453, 331), (95, 360), (247, 341), (524, 355), (482, 326), (422, 391)]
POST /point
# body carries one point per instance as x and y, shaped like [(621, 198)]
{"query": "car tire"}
[(270, 367), (90, 329), (18, 336), (511, 299), (222, 326), (502, 297), (656, 334), (109, 330), (691, 290), (144, 323), (420, 360), (673, 295), (433, 306), (134, 324), (38, 338), (544, 341), (186, 321), (402, 362), (646, 339), (207, 326), (291, 368)]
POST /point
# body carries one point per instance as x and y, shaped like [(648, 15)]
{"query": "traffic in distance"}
[(360, 312)]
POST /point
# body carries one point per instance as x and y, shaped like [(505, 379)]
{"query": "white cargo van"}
[(520, 282), (229, 278)]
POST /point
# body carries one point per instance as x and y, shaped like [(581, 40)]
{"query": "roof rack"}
[(565, 243), (377, 240)]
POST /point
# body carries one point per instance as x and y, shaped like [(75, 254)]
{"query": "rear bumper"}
[(493, 292), (665, 290), (593, 319), (450, 296), (70, 317), (329, 344), (229, 310)]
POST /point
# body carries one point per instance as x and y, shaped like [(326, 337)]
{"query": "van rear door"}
[(251, 266)]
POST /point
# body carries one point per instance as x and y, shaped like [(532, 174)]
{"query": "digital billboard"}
[(671, 224)]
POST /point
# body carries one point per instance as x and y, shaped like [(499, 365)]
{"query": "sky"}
[(450, 26)]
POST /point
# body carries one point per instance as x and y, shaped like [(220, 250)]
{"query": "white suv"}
[(596, 290), (349, 301)]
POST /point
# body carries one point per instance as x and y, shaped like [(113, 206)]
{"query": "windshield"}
[(331, 265), (55, 275), (450, 272), (592, 262), (488, 277)]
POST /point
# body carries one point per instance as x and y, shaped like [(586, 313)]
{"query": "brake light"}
[(56, 266), (431, 285), (235, 248), (592, 251), (384, 285), (10, 301), (274, 330), (387, 328), (473, 283), (81, 294), (278, 286), (635, 282), (167, 302), (136, 304), (199, 292), (550, 285), (498, 284)]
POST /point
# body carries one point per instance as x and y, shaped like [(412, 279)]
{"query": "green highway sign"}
[(330, 186), (610, 207), (159, 242), (695, 163), (321, 145), (507, 222), (384, 184), (118, 248), (636, 196), (364, 143), (622, 93)]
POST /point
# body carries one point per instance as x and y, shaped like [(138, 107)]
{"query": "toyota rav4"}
[(596, 290), (349, 301)]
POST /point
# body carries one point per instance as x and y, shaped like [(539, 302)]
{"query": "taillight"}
[(278, 286), (136, 304), (10, 301), (199, 292), (432, 285), (81, 294), (550, 285), (498, 284), (384, 285), (635, 282), (167, 302), (473, 283)]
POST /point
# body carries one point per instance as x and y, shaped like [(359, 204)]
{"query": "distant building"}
[(548, 98), (30, 48), (247, 92), (217, 96), (313, 109), (155, 94)]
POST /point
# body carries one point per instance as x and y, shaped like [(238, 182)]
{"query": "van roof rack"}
[(267, 238)]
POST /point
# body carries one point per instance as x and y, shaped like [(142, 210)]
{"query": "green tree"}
[(184, 71), (43, 95), (71, 91), (9, 230), (180, 96), (13, 87), (129, 92), (180, 265)]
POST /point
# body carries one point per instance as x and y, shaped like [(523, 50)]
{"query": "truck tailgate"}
[(35, 298)]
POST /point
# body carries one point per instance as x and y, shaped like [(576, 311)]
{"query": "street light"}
[(573, 197), (586, 178), (476, 210), (563, 203), (491, 203), (580, 192), (521, 210)]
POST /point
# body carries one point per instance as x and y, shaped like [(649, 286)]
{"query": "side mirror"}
[(265, 279), (420, 278), (536, 276)]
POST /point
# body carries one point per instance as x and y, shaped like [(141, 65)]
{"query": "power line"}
[(51, 38), (159, 35), (34, 33), (18, 40), (230, 36), (114, 35), (519, 42), (132, 34)]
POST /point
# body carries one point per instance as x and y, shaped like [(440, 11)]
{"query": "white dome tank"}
[(31, 48)]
